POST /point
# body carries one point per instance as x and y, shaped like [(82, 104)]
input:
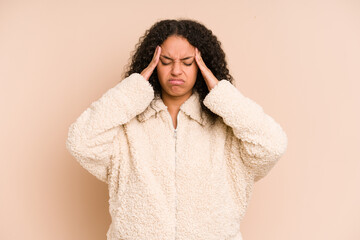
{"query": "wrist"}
[(213, 84)]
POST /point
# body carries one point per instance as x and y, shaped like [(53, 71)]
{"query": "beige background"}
[(298, 59)]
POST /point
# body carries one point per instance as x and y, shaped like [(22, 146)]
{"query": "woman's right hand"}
[(146, 73)]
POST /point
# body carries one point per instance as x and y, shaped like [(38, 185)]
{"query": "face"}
[(177, 68)]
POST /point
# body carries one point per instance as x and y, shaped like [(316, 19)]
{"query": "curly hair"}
[(198, 36)]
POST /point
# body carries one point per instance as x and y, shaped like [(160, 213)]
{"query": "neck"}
[(174, 102)]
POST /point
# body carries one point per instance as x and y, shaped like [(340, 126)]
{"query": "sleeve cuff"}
[(220, 99), (133, 95)]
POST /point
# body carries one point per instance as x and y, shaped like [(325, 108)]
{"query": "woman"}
[(178, 145)]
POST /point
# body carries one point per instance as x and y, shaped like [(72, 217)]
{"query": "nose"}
[(176, 68)]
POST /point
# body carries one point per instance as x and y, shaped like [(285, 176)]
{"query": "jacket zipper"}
[(175, 135)]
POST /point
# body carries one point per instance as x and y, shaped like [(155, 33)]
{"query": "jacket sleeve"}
[(91, 137), (261, 140)]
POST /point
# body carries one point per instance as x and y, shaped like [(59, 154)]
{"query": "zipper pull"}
[(175, 133)]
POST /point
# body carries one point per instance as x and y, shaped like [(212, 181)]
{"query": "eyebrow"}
[(185, 58)]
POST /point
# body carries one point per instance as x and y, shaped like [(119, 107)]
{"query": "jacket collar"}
[(191, 107)]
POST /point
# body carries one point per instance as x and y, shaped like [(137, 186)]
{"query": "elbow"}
[(280, 145), (73, 141)]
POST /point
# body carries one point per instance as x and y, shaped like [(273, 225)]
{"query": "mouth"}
[(176, 81)]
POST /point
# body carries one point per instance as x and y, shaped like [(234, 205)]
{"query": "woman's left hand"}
[(209, 77)]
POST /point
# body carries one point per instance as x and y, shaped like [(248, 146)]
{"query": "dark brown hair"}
[(199, 36)]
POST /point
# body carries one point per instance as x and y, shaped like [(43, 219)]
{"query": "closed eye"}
[(164, 63), (187, 63)]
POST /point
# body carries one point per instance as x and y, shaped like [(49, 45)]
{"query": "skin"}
[(176, 58)]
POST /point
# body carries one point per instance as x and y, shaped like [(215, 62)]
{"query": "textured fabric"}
[(237, 237), (194, 182)]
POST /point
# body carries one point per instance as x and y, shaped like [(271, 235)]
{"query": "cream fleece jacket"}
[(193, 182)]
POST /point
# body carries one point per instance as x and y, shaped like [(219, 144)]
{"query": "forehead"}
[(177, 47)]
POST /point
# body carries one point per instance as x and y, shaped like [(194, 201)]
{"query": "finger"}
[(206, 72), (156, 57), (152, 65), (150, 68), (199, 60), (198, 57)]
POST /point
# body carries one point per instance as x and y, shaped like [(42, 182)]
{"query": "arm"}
[(261, 140), (91, 137)]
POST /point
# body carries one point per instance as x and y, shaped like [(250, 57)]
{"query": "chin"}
[(179, 93)]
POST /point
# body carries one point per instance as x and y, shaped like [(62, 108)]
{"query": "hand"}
[(146, 73), (208, 76)]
